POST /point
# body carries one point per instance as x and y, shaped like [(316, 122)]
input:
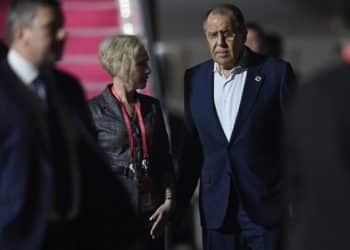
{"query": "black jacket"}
[(112, 136)]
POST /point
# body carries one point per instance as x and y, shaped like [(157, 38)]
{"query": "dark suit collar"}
[(254, 81), (209, 88), (26, 100), (253, 84), (15, 87)]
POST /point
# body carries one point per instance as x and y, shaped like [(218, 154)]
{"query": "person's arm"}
[(191, 157), (162, 213), (288, 88)]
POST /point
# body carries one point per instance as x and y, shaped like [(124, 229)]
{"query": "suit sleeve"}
[(22, 202), (288, 88), (166, 163), (191, 154)]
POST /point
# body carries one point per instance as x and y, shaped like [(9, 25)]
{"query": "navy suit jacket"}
[(25, 174), (246, 168), (26, 170)]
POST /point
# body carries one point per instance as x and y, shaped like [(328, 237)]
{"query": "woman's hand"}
[(160, 217)]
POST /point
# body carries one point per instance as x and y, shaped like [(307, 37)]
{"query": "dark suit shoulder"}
[(196, 73), (65, 75), (275, 62), (201, 66), (9, 110), (69, 84), (16, 109)]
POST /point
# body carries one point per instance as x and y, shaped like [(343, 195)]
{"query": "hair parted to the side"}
[(22, 12), (117, 53), (230, 10)]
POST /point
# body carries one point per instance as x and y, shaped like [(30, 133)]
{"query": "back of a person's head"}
[(256, 37), (256, 27)]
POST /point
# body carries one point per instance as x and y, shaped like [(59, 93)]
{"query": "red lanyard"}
[(128, 127)]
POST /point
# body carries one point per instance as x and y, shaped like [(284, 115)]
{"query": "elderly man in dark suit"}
[(234, 107), (56, 192)]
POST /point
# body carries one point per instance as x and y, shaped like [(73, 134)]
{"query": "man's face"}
[(224, 39), (44, 38)]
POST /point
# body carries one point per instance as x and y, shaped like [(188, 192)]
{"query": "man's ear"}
[(18, 32)]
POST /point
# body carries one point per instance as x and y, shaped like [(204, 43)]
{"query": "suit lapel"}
[(27, 101), (254, 81), (16, 88), (209, 82)]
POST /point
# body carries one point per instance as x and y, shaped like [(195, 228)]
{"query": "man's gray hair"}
[(22, 12), (229, 10)]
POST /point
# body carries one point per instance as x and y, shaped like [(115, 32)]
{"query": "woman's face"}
[(139, 70)]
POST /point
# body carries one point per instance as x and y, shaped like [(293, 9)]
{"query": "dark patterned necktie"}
[(39, 86)]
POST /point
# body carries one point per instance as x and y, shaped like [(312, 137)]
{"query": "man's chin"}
[(226, 63)]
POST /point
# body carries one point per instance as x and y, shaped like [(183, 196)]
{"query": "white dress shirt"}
[(228, 93), (24, 70)]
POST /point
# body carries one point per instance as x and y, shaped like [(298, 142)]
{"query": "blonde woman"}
[(131, 130)]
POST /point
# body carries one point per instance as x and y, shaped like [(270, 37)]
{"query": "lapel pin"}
[(258, 78)]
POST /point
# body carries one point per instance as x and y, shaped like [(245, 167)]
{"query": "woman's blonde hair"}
[(117, 53)]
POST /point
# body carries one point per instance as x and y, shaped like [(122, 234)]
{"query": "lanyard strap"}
[(128, 126)]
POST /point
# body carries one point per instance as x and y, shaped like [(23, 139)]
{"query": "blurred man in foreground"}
[(51, 197), (318, 147)]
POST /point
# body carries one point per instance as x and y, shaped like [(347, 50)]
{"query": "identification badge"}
[(133, 170), (144, 166)]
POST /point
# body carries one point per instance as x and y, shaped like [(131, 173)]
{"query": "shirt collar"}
[(236, 69), (25, 71)]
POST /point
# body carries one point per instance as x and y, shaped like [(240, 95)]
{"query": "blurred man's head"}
[(256, 39), (225, 31), (35, 30)]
